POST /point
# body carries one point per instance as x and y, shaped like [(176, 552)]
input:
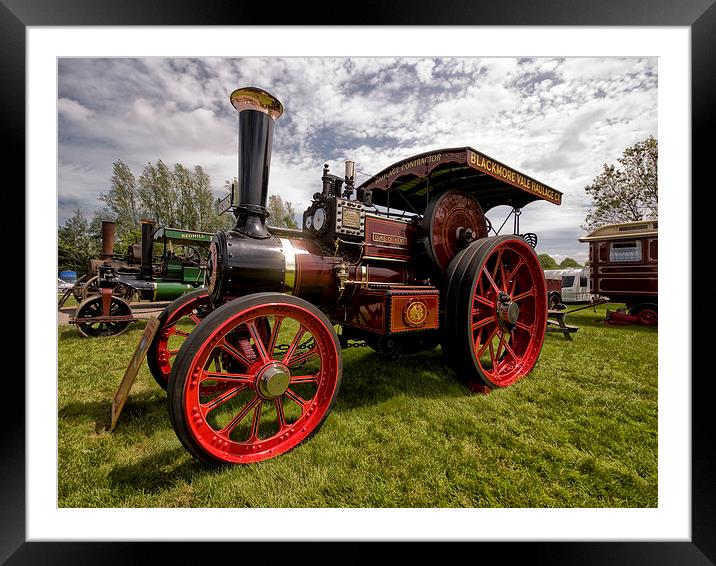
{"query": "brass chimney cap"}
[(252, 98)]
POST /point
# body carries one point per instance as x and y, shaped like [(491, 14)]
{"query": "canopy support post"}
[(517, 212)]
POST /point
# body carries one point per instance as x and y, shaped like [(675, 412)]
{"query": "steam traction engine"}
[(402, 262)]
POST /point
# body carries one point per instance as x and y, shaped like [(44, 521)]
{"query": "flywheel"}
[(452, 221)]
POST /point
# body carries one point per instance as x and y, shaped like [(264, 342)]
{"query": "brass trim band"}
[(251, 98), (289, 275)]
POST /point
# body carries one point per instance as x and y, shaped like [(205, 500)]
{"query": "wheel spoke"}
[(181, 332), (229, 349), (492, 357), (497, 265), (484, 301), (483, 322), (502, 274), (500, 344), (303, 379), (524, 295), (274, 335), (255, 422), (294, 344), (258, 343), (279, 413), (523, 326), (302, 358), (231, 377), (195, 318), (491, 280), (298, 399), (221, 399), (227, 430), (511, 352), (488, 342), (520, 263)]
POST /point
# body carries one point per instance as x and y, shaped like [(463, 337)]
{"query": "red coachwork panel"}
[(388, 238), (393, 310), (367, 311), (412, 310)]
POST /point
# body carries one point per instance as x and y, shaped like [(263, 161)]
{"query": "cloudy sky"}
[(555, 119)]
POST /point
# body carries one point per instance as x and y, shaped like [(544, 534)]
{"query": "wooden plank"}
[(140, 352)]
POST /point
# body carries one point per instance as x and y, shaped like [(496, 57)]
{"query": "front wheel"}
[(241, 394)]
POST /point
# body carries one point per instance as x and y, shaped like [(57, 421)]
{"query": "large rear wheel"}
[(239, 394), (495, 311)]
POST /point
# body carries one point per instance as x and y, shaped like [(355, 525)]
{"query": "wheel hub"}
[(508, 312), (272, 380)]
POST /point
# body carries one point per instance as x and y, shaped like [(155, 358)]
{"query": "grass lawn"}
[(579, 431)]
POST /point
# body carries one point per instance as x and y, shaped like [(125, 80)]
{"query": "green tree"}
[(179, 197), (547, 261), (158, 194), (76, 244), (568, 262), (122, 200), (627, 192), (205, 205), (281, 213)]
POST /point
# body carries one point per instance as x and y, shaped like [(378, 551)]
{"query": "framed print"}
[(43, 42)]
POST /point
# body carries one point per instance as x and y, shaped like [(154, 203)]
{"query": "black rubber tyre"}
[(453, 277), (201, 344), (475, 317), (191, 306)]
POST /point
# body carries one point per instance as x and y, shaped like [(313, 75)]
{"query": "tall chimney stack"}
[(145, 271), (107, 239), (258, 111)]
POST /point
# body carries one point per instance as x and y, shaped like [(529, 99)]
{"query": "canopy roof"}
[(623, 230), (408, 184)]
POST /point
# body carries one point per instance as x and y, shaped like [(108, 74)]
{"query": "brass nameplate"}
[(389, 239), (351, 219)]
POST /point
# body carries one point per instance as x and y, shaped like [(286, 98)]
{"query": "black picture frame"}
[(17, 15)]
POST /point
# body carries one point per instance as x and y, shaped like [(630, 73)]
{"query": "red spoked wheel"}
[(495, 311), (258, 376), (176, 322)]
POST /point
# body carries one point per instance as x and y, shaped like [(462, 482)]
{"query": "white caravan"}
[(575, 283)]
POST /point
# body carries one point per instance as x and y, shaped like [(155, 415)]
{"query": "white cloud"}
[(559, 119), (73, 110), (424, 69)]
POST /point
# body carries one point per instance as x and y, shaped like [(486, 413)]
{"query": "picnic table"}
[(556, 323)]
